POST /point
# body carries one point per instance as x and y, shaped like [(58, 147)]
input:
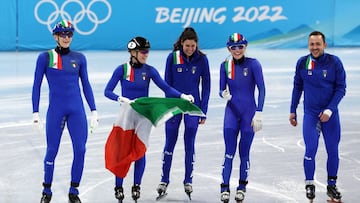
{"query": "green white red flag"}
[(230, 68), (178, 59), (129, 137), (310, 63), (55, 59)]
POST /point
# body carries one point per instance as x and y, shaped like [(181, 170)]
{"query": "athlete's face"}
[(237, 51), (189, 47), (141, 55), (316, 45), (64, 39)]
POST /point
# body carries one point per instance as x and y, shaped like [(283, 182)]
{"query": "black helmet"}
[(138, 43)]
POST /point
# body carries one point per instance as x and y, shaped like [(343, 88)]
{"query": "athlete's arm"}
[(114, 80), (41, 63), (88, 93)]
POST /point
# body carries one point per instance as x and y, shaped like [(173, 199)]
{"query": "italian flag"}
[(178, 59), (230, 69), (128, 72), (129, 137), (310, 64), (236, 37), (55, 60)]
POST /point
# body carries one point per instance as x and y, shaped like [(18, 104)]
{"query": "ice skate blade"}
[(189, 195), (334, 201), (160, 197)]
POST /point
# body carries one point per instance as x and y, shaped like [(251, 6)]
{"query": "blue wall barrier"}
[(110, 24)]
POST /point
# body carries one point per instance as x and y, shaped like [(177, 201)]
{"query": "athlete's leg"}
[(78, 130), (311, 140), (119, 181), (139, 168), (244, 153), (331, 133), (172, 132), (55, 122), (230, 131), (191, 125)]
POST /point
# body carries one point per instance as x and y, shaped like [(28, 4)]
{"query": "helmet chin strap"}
[(137, 60)]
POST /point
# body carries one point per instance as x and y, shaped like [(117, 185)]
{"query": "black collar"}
[(62, 51)]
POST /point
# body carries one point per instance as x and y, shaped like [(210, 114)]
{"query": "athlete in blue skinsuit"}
[(134, 78), (239, 75), (322, 78), (187, 70), (63, 69)]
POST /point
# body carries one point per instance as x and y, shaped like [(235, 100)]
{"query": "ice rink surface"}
[(276, 174)]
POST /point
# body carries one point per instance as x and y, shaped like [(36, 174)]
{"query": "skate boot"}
[(135, 192), (161, 190), (333, 193), (45, 198), (310, 192), (225, 193), (119, 193), (188, 189), (225, 196), (73, 198), (240, 195)]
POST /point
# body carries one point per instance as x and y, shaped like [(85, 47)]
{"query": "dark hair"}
[(188, 34), (318, 33)]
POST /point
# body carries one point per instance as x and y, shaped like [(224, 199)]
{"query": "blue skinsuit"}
[(185, 78), (65, 107), (239, 112), (132, 90), (323, 88)]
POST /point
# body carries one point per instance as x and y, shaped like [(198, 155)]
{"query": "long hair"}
[(188, 34)]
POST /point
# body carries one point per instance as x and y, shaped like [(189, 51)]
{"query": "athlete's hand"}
[(94, 121), (202, 121), (292, 119), (123, 100), (226, 94), (325, 115), (188, 97), (257, 121), (37, 123)]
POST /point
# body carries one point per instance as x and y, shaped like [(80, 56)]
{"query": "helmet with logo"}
[(138, 43), (236, 39), (63, 26)]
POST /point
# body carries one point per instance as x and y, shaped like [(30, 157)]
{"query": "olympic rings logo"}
[(76, 18)]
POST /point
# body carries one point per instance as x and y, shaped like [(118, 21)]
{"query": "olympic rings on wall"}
[(75, 19)]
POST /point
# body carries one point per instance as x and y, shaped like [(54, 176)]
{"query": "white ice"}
[(276, 174)]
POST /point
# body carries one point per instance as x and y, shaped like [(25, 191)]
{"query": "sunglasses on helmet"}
[(240, 46)]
